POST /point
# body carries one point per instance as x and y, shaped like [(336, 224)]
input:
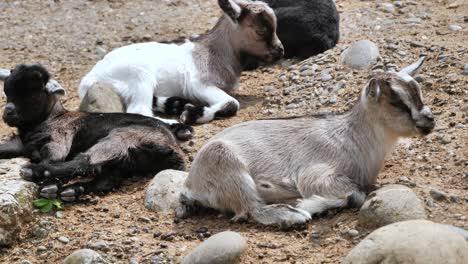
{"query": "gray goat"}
[(284, 171)]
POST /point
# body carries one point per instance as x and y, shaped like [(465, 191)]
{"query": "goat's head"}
[(30, 95), (397, 99), (255, 28)]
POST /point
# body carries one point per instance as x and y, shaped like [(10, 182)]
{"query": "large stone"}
[(415, 241), (390, 204), (163, 192), (84, 256), (225, 247), (102, 98), (361, 55), (16, 196)]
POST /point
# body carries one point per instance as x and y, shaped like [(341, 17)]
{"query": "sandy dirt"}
[(68, 37)]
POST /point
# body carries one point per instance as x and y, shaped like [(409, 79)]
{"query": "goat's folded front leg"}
[(58, 173), (12, 148), (220, 105)]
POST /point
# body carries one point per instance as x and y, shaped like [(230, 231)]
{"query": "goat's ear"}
[(231, 8), (373, 89), (4, 73), (412, 69), (53, 87)]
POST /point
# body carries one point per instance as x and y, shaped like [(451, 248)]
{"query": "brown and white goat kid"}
[(63, 145), (202, 72), (283, 171)]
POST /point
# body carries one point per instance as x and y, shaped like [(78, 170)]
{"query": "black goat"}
[(63, 145), (305, 27)]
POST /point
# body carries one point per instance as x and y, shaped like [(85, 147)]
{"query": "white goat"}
[(202, 72), (284, 171)]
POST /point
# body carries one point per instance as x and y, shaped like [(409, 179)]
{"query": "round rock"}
[(361, 55), (390, 204), (102, 98), (415, 241), (163, 192), (225, 247), (84, 256)]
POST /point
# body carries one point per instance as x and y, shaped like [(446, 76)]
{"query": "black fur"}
[(305, 27), (193, 114), (45, 127), (228, 110)]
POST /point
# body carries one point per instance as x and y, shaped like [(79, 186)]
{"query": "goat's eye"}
[(262, 33)]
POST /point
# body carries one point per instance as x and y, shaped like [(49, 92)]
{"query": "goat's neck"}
[(54, 110), (371, 137), (222, 51)]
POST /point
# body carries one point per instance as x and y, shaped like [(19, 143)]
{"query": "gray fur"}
[(312, 164)]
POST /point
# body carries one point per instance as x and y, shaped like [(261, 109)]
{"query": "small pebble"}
[(438, 195), (454, 27), (63, 239), (353, 233)]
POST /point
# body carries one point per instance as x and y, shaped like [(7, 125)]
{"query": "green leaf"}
[(41, 202), (57, 203), (46, 208)]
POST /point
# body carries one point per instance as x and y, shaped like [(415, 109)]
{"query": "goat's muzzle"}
[(425, 123), (277, 53), (10, 116)]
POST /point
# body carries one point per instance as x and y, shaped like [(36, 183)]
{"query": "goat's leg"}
[(219, 180), (12, 148), (170, 105), (220, 105), (330, 192)]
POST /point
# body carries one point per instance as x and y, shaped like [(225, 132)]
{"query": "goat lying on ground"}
[(202, 72), (63, 145), (305, 27), (284, 171)]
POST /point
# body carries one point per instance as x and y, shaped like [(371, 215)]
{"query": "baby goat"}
[(202, 72), (284, 171), (63, 145), (305, 27)]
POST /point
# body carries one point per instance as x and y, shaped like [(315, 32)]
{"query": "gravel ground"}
[(68, 37)]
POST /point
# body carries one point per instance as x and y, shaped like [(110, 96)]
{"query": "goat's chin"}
[(13, 121)]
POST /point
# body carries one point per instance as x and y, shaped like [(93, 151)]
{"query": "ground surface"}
[(68, 37)]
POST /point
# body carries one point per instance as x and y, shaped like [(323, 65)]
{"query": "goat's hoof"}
[(48, 195), (192, 115), (68, 193), (49, 189), (182, 131), (68, 198), (184, 134), (26, 174)]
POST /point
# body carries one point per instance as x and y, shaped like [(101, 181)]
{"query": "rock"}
[(102, 98), (225, 247), (163, 192), (386, 7), (84, 256), (438, 195), (16, 196), (361, 55), (465, 69), (325, 76), (63, 239), (99, 245), (454, 27), (353, 233), (390, 204), (415, 241)]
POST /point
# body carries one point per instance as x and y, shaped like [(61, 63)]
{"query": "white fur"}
[(140, 71)]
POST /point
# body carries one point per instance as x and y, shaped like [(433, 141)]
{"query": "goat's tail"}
[(86, 83), (4, 73)]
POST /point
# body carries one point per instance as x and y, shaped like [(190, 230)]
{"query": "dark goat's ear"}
[(373, 89), (54, 87), (231, 8)]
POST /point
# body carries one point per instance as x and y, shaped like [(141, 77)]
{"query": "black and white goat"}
[(284, 171), (63, 145), (202, 72)]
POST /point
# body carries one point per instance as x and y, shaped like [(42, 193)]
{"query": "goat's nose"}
[(9, 109)]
